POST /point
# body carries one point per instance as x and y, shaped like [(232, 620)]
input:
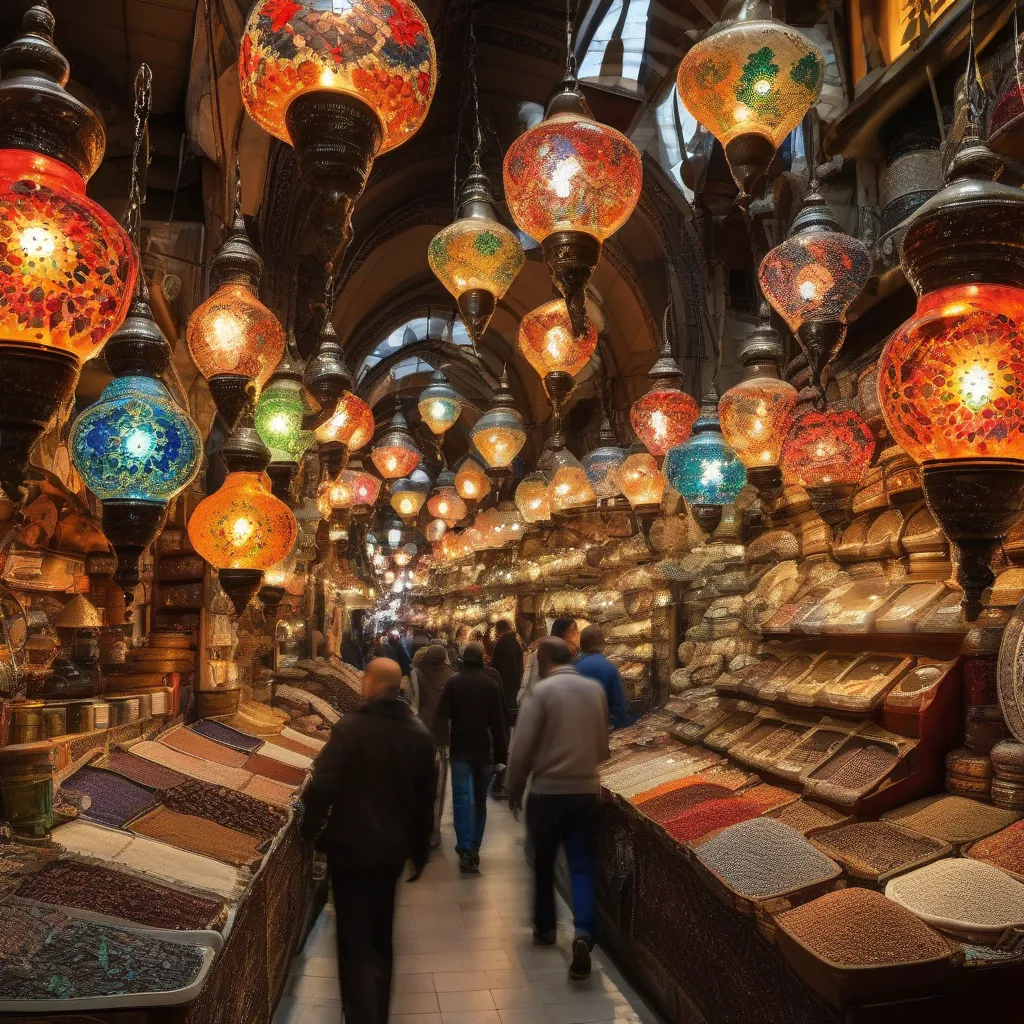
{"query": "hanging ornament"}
[(349, 428), (705, 470), (499, 434), (471, 482), (812, 279), (409, 494), (67, 268), (445, 502), (280, 413), (755, 413), (395, 455), (604, 463), (326, 377), (750, 81), (233, 338), (439, 404), (643, 484), (550, 344), (569, 487), (664, 416)]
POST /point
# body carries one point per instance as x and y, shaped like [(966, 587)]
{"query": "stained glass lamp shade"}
[(750, 82), (813, 278), (471, 482), (510, 523), (279, 414), (439, 404), (340, 494), (532, 498), (499, 434), (395, 455), (365, 488), (436, 529), (408, 496), (604, 462), (445, 502), (570, 183), (641, 479), (351, 425), (569, 487), (552, 347), (664, 416)]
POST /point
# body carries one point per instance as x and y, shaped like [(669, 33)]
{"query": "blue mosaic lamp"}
[(705, 470), (603, 462)]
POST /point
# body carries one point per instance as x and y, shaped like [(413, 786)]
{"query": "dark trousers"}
[(364, 899), (554, 820)]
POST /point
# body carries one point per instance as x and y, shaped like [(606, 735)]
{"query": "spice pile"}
[(962, 894), (221, 733), (852, 770), (225, 806), (873, 849), (861, 928), (145, 773), (112, 799), (803, 815), (711, 815), (669, 805), (761, 858), (953, 819), (1004, 850), (198, 835)]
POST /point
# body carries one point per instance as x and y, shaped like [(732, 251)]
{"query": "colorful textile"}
[(198, 835), (271, 769), (138, 769), (112, 799), (221, 733), (194, 767), (270, 792), (189, 742), (301, 740), (276, 752), (226, 806)]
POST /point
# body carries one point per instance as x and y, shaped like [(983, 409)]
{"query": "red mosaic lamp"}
[(395, 455), (664, 417), (67, 268), (552, 347)]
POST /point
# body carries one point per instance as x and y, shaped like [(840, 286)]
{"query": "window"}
[(411, 333)]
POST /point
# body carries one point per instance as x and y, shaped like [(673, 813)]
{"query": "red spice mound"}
[(710, 816), (670, 805)]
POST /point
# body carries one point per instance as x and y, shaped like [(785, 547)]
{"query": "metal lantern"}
[(395, 454), (532, 498), (444, 502), (569, 487), (664, 416), (409, 494), (499, 434), (439, 404), (604, 462), (554, 348), (643, 484), (280, 413), (471, 482)]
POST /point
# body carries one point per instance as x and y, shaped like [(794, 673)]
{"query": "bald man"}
[(371, 801)]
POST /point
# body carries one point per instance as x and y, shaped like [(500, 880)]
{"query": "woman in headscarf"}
[(430, 671)]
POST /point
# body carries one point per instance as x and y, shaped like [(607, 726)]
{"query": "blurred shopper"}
[(561, 738), (350, 652), (371, 801), (592, 663), (507, 661), (430, 672), (563, 628)]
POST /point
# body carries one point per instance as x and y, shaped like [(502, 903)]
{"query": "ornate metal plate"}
[(1010, 674)]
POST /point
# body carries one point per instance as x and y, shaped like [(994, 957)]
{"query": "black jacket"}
[(376, 780), (471, 704), (507, 660)]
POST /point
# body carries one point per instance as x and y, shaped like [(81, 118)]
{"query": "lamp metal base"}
[(477, 306), (241, 586), (131, 526), (572, 257), (230, 393)]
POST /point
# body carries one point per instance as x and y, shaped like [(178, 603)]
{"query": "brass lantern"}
[(499, 434)]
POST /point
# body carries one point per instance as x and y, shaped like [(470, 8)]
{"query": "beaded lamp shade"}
[(549, 343), (408, 496), (340, 493), (279, 414), (351, 425), (641, 479), (951, 379), (509, 523), (569, 486), (365, 487), (499, 434), (750, 83), (446, 504), (395, 455), (378, 51), (705, 470), (532, 498), (471, 482), (439, 404), (242, 525), (824, 449), (136, 443), (604, 462), (436, 529), (663, 418)]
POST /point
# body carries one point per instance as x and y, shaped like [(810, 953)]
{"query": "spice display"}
[(1003, 850), (277, 794), (951, 819), (804, 815), (670, 805), (762, 857), (852, 770), (217, 803), (89, 887), (876, 849), (709, 816), (226, 735), (961, 894), (768, 797), (112, 799), (17, 860), (730, 731), (73, 959), (145, 773), (269, 768), (272, 750), (861, 928), (188, 742), (194, 767), (197, 835), (726, 775)]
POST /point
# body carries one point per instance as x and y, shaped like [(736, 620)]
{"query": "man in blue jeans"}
[(471, 713), (561, 738)]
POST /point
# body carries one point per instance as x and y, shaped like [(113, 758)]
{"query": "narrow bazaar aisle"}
[(464, 952)]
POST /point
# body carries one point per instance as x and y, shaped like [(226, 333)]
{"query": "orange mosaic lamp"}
[(395, 455), (813, 278), (444, 503), (532, 499), (755, 413), (569, 487), (471, 482), (436, 529), (750, 81), (643, 483), (553, 348), (499, 435), (349, 428), (67, 268), (571, 182), (365, 486), (663, 418), (341, 83), (477, 258)]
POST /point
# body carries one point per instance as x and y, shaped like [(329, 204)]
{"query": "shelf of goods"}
[(825, 767)]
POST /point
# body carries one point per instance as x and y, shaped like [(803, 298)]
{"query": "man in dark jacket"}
[(373, 785), (470, 710), (507, 661)]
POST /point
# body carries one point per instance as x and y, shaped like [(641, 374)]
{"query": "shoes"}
[(544, 938), (469, 862), (579, 969)]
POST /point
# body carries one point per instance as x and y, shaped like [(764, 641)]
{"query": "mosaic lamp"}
[(364, 485), (409, 494), (477, 258), (242, 529), (439, 404), (755, 413), (135, 448), (326, 377), (570, 183), (509, 523), (436, 529), (395, 454), (471, 482), (826, 453), (341, 82), (705, 470), (444, 503), (531, 498), (750, 81), (275, 583), (499, 435), (604, 462), (67, 268), (232, 337), (813, 278), (569, 487), (553, 348), (951, 379), (349, 428), (664, 416), (643, 484), (280, 412)]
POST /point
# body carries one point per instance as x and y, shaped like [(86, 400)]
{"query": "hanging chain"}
[(236, 211), (1016, 52), (137, 188), (478, 139), (570, 54)]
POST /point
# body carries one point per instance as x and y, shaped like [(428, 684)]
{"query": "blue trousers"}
[(555, 820), (470, 785)]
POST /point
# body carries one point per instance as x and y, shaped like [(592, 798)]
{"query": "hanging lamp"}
[(395, 454), (340, 83), (569, 487), (232, 337), (67, 268), (664, 416), (643, 483), (242, 529), (499, 434), (552, 347), (812, 279), (604, 463), (444, 502), (326, 376), (750, 81), (570, 183), (280, 413), (439, 404), (755, 413), (365, 487), (471, 482), (705, 470), (409, 494)]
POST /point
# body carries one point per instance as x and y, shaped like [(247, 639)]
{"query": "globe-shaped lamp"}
[(664, 416), (439, 404)]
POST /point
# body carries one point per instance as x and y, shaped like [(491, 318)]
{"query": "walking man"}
[(592, 663), (561, 738), (372, 795), (507, 661), (471, 713)]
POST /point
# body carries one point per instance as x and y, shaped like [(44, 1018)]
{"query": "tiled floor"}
[(464, 952)]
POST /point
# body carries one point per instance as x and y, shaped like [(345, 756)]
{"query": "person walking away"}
[(430, 672), (592, 663), (561, 738), (350, 653), (470, 712), (371, 801), (507, 661), (394, 649), (563, 628)]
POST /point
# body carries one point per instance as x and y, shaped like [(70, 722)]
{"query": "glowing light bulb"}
[(977, 387), (37, 241), (659, 424), (469, 487), (711, 472), (139, 443), (241, 530), (279, 424), (762, 87), (442, 508), (394, 536), (392, 464), (561, 180), (438, 409), (225, 338), (407, 506)]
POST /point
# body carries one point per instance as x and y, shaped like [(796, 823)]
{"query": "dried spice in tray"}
[(112, 799), (226, 735), (876, 849), (732, 729), (198, 835), (188, 742), (669, 805), (226, 806), (145, 773), (951, 819), (89, 887), (1003, 850), (852, 770), (710, 816), (805, 815), (864, 687), (775, 745)]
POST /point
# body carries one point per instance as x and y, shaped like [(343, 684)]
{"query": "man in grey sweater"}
[(561, 738)]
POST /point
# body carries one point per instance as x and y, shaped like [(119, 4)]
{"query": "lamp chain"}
[(137, 188), (570, 55), (478, 139)]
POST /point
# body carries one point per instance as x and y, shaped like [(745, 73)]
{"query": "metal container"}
[(26, 718)]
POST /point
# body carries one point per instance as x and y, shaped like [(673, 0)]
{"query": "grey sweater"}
[(561, 737)]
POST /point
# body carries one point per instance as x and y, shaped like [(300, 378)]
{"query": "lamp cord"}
[(570, 55), (478, 140), (137, 187)]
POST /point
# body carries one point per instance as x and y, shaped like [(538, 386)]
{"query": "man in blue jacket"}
[(592, 663)]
